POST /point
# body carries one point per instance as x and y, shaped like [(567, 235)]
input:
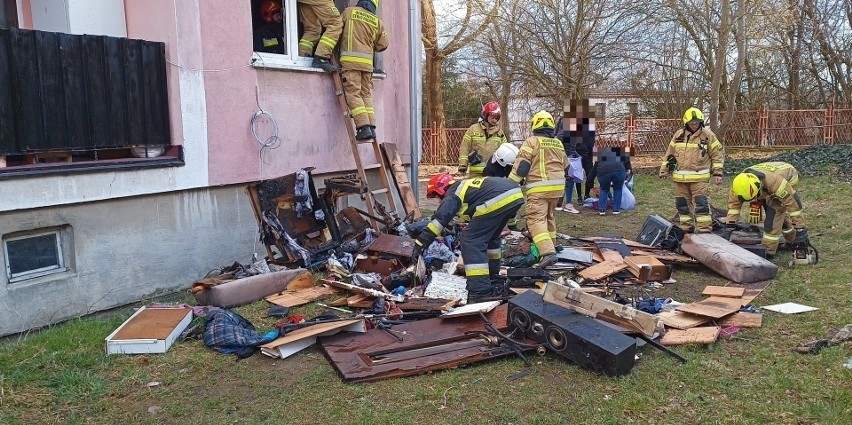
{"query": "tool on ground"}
[(516, 346), (803, 254)]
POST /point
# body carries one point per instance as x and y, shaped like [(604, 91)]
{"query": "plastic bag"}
[(628, 201), (575, 169)]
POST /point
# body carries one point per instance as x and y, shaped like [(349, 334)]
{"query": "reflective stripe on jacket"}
[(477, 197), (484, 140), (547, 163), (777, 186), (698, 155), (363, 34)]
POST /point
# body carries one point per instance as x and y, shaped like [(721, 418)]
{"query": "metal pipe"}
[(414, 91)]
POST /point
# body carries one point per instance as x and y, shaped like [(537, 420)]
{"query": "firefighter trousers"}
[(316, 15), (776, 223), (691, 200), (358, 86), (540, 221), (481, 249)]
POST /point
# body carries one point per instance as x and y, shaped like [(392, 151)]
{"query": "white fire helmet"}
[(506, 154)]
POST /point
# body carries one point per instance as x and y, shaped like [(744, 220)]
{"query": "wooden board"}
[(302, 338), (403, 185), (743, 320), (602, 270), (680, 320), (427, 345), (152, 323), (727, 259), (715, 307), (703, 335), (602, 308), (300, 296), (364, 291), (664, 255), (302, 281), (724, 291)]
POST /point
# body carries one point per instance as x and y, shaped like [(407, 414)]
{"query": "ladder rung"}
[(379, 191), (372, 166), (364, 142)]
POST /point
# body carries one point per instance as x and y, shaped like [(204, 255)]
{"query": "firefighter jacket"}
[(777, 188), (484, 140), (543, 163), (697, 154), (363, 34), (470, 199)]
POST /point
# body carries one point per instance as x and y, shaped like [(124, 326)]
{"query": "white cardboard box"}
[(149, 330)]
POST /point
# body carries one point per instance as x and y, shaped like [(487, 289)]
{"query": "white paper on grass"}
[(789, 308)]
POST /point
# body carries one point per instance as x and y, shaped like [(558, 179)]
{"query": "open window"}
[(276, 44)]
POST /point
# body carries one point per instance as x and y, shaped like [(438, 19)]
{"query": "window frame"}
[(60, 267), (291, 60)]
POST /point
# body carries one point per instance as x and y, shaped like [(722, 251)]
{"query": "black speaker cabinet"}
[(581, 339)]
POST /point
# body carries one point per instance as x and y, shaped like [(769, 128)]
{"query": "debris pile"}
[(811, 161)]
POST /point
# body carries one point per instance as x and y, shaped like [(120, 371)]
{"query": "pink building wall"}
[(311, 125)]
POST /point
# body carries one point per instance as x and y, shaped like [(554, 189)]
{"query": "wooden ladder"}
[(372, 204)]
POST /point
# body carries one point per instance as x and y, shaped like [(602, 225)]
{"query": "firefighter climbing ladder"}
[(372, 204)]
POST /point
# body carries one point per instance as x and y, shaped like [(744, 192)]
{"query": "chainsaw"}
[(803, 254)]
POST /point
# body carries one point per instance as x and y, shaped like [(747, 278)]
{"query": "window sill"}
[(7, 173), (57, 277), (282, 62)]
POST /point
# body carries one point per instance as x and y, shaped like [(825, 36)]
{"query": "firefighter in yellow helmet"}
[(363, 34), (481, 140), (693, 155), (543, 163), (322, 24), (774, 184)]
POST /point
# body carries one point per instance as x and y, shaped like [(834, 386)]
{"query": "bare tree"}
[(477, 15)]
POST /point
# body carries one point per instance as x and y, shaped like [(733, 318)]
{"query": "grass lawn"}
[(61, 375)]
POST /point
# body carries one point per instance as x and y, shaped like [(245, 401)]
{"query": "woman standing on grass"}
[(612, 169)]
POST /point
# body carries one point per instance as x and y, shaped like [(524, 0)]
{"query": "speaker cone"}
[(556, 338), (520, 319)]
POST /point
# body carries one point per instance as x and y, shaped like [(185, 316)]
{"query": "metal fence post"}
[(763, 127)]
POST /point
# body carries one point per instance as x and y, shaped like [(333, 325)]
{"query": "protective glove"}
[(802, 237), (754, 212), (462, 169)]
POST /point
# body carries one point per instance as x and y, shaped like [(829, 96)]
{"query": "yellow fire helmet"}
[(693, 114), (542, 119), (746, 186)]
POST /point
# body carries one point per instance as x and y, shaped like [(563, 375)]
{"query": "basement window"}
[(33, 255)]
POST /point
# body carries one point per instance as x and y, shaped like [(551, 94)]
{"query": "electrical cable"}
[(209, 70), (273, 141)]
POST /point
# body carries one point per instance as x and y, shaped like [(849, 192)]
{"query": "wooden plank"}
[(727, 259), (703, 335), (743, 320), (428, 345), (302, 281), (304, 337), (603, 309), (300, 296), (611, 255), (403, 186), (715, 307), (354, 300), (680, 320), (364, 291), (666, 256), (602, 270), (723, 291)]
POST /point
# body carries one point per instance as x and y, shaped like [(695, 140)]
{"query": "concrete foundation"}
[(120, 251)]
